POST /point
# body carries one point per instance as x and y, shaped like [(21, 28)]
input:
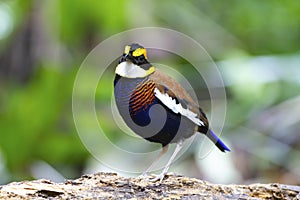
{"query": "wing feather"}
[(174, 104)]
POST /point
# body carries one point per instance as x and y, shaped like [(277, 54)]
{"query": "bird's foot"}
[(152, 177), (159, 177), (143, 176)]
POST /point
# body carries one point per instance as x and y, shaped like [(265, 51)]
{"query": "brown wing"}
[(167, 85)]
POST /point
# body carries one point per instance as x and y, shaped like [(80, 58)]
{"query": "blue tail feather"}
[(218, 142)]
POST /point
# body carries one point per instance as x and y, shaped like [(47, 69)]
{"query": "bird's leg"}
[(165, 170), (164, 150)]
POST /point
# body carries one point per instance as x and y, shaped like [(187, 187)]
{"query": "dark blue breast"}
[(156, 122)]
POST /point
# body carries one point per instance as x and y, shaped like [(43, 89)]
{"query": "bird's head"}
[(134, 62)]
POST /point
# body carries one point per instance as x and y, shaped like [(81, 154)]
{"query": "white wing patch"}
[(177, 108)]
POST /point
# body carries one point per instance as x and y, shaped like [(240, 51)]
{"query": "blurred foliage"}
[(36, 124), (255, 44), (265, 27)]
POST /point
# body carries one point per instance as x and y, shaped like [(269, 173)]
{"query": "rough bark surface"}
[(112, 186)]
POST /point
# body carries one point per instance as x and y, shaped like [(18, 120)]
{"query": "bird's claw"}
[(159, 177), (145, 176)]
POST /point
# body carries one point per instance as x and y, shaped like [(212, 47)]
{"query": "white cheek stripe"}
[(177, 108), (130, 70)]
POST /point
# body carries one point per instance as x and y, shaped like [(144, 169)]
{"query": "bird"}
[(156, 107)]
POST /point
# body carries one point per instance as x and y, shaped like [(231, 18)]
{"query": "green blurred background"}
[(255, 44)]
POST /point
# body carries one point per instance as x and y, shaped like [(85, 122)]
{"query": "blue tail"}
[(213, 137)]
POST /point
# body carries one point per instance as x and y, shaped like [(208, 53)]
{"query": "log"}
[(112, 186)]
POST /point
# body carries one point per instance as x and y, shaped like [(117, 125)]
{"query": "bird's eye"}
[(141, 58)]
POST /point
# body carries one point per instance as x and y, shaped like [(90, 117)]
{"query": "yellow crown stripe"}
[(127, 49), (139, 52)]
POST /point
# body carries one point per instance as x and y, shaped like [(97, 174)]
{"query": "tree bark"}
[(112, 186)]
